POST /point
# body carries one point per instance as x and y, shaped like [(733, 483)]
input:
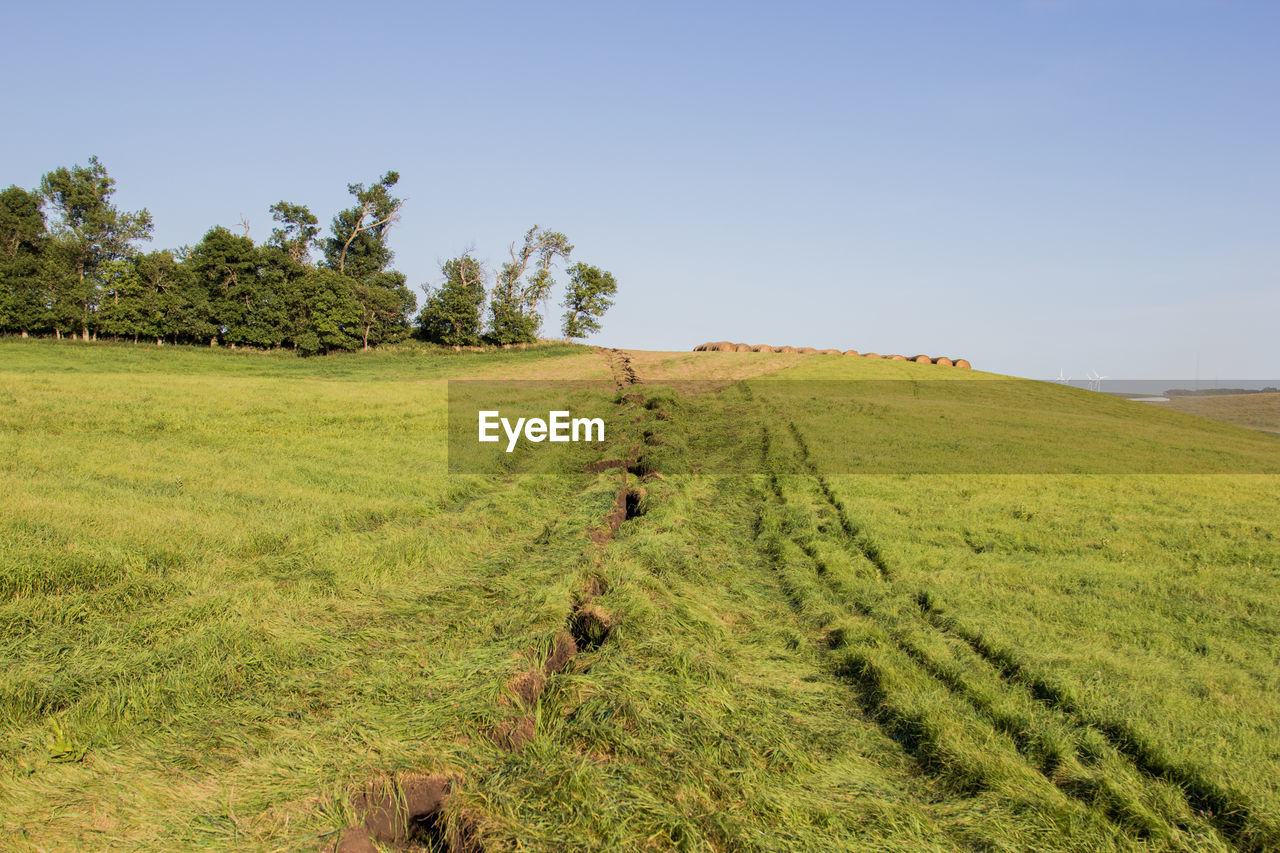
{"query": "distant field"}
[(234, 587), (1255, 411)]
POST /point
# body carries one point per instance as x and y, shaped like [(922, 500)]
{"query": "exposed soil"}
[(632, 503), (404, 816), (512, 735), (563, 650), (626, 506), (604, 465), (527, 687), (590, 626)]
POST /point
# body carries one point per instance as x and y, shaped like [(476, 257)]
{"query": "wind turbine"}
[(1095, 380), (1065, 380)]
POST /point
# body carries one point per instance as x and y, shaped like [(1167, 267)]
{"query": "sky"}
[(1038, 186)]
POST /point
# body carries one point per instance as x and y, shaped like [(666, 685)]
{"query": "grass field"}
[(1255, 411), (236, 587)]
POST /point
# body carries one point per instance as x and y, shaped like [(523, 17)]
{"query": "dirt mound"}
[(405, 813), (513, 735), (527, 687), (944, 361), (963, 364), (627, 505), (563, 650)]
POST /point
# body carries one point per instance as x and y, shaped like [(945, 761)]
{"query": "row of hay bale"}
[(726, 346)]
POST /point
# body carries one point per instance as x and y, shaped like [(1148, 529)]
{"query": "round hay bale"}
[(922, 359), (944, 361), (742, 347), (762, 348), (701, 347), (898, 358), (963, 364), (806, 350), (785, 349), (851, 352), (720, 346), (871, 355), (830, 352)]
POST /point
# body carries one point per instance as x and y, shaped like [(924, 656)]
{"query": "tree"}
[(23, 292), (357, 249), (385, 302), (359, 237), (451, 315), (586, 298), (513, 318), (89, 232), (327, 312), (245, 304), (298, 232)]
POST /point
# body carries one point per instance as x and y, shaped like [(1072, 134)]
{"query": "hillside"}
[(245, 606)]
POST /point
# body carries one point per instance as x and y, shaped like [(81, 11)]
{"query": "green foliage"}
[(328, 312), (451, 315), (358, 244), (246, 308), (297, 232), (23, 291), (513, 314), (586, 298), (88, 233)]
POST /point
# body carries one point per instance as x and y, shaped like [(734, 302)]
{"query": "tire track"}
[(1235, 822)]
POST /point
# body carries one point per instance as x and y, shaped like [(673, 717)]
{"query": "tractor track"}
[(1209, 807)]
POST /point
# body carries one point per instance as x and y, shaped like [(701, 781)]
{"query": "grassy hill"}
[(242, 602)]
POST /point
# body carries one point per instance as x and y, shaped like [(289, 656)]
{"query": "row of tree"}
[(70, 265)]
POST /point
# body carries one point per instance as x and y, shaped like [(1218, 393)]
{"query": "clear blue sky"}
[(1031, 185)]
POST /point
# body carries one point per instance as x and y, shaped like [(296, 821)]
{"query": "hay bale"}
[(851, 352), (922, 359), (700, 348), (897, 358), (720, 346), (742, 347), (963, 364), (944, 361), (762, 348), (806, 350), (871, 355), (785, 349), (830, 352)]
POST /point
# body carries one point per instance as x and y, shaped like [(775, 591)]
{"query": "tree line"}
[(71, 266)]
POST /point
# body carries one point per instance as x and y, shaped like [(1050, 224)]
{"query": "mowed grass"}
[(237, 585)]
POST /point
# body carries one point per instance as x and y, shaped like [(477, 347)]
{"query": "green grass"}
[(236, 585)]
